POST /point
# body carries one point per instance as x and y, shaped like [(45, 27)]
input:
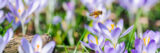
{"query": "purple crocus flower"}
[(5, 39), (132, 5), (3, 3), (113, 33), (95, 29), (145, 44), (109, 25), (69, 8), (16, 22), (36, 46), (95, 43), (151, 35), (20, 12), (111, 48)]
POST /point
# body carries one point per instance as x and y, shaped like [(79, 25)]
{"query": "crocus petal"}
[(116, 33), (1, 13), (134, 51), (93, 46), (20, 50), (3, 3), (85, 44), (102, 26), (1, 44), (19, 6), (111, 50), (108, 23), (108, 44), (127, 31), (125, 51), (8, 35), (12, 9), (33, 6), (26, 46), (106, 48), (120, 24), (152, 47), (48, 48), (92, 39), (37, 42), (90, 29), (120, 47), (138, 45), (101, 41)]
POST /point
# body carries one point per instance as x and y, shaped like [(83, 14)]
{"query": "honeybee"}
[(96, 13)]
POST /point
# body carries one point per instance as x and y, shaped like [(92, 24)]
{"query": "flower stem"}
[(23, 28), (85, 31), (36, 22)]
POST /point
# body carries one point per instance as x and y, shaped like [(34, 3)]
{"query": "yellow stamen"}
[(109, 29), (114, 45), (16, 19), (37, 46), (96, 40), (144, 40), (19, 11), (148, 40), (112, 25)]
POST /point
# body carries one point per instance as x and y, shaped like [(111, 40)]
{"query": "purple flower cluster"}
[(107, 30), (148, 43), (107, 36)]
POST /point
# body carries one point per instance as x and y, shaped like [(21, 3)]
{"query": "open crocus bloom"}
[(19, 11), (36, 46), (10, 17), (113, 32), (151, 35), (146, 44), (5, 39), (111, 48), (142, 48), (94, 43)]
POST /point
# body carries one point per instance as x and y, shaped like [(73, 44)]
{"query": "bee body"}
[(96, 13)]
